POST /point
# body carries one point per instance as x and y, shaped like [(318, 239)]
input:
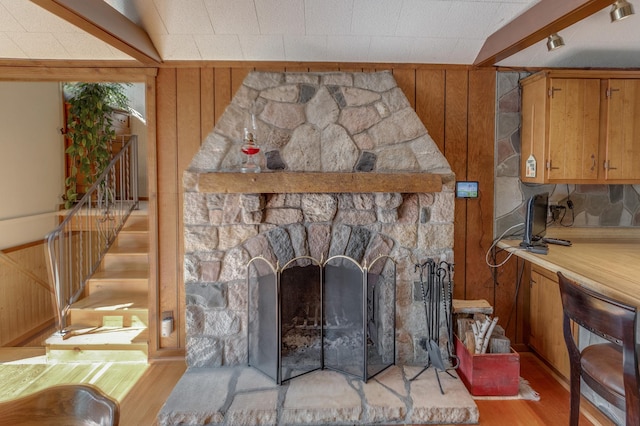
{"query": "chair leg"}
[(575, 396), (633, 412)]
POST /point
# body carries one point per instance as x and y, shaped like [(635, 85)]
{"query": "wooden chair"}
[(610, 369), (68, 405)]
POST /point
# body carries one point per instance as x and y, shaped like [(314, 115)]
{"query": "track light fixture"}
[(554, 41), (620, 10)]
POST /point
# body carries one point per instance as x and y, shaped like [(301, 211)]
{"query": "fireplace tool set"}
[(436, 285)]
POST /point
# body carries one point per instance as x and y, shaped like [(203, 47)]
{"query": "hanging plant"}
[(90, 131)]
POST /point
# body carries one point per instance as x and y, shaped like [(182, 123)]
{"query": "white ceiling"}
[(395, 31)]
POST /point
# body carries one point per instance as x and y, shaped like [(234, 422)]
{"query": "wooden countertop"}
[(610, 266)]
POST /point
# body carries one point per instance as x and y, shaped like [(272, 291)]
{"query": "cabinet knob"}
[(607, 166)]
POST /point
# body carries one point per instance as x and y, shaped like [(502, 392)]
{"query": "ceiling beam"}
[(99, 19), (535, 24)]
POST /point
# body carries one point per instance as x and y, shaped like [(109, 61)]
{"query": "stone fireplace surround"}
[(348, 167), (324, 129)]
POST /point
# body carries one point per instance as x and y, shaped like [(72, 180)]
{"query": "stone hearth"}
[(243, 396)]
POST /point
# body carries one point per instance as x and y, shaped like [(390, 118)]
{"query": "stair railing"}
[(76, 247)]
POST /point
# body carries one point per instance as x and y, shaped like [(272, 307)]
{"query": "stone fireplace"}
[(348, 169)]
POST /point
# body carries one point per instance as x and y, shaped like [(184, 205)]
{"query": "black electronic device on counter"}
[(535, 224)]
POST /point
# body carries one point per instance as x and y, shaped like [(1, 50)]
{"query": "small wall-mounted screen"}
[(467, 189)]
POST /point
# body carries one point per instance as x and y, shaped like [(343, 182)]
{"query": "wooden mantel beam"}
[(99, 19), (317, 182), (537, 23)]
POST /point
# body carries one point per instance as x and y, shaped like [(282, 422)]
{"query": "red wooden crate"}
[(489, 374)]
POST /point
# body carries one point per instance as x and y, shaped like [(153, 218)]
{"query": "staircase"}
[(110, 323)]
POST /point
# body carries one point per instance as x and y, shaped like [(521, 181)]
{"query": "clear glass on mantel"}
[(250, 150)]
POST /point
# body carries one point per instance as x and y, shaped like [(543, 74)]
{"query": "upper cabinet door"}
[(574, 129), (622, 148), (533, 132)]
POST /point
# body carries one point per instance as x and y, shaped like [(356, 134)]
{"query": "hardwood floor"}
[(142, 395), (141, 406), (551, 410)]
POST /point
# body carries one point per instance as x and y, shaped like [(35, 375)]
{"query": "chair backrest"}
[(79, 404), (608, 318)]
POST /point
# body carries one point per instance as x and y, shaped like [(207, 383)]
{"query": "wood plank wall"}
[(26, 308), (456, 103)]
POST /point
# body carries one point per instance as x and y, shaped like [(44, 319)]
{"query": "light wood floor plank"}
[(16, 378), (142, 404), (119, 379)]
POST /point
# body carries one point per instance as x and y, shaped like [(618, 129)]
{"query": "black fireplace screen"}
[(311, 315)]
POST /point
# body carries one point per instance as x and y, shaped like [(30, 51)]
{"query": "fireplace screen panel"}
[(301, 321), (343, 306), (381, 315), (263, 323), (308, 316)]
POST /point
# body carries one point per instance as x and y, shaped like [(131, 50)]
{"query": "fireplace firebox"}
[(311, 314)]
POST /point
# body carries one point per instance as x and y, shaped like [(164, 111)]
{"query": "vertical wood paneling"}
[(455, 150), (222, 91), (189, 113), (152, 189), (237, 77), (430, 85), (207, 106), (168, 218), (406, 79), (270, 68), (456, 120), (480, 167)]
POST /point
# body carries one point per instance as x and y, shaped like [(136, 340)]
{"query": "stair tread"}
[(129, 250), (138, 226), (113, 301), (125, 274), (103, 336)]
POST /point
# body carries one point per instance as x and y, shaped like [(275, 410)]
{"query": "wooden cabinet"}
[(622, 146), (545, 320), (580, 127)]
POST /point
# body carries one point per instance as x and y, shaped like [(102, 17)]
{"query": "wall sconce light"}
[(620, 10), (554, 41)]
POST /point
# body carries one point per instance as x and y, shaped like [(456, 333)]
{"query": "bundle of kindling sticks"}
[(482, 334)]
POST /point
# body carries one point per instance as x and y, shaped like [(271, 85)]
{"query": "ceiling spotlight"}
[(620, 10), (554, 41)]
